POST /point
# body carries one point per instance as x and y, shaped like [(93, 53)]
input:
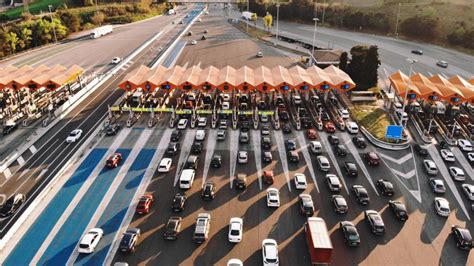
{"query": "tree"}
[(343, 62), (356, 66), (71, 20), (423, 27), (12, 41), (364, 65), (372, 64), (25, 37), (98, 18)]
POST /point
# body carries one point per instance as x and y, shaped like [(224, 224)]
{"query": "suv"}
[(267, 157), (244, 137), (266, 143), (114, 160), (208, 191), (293, 156), (216, 161), (173, 148), (290, 145), (192, 162), (430, 167), (240, 181), (203, 225), (129, 240), (385, 186), (306, 204), (359, 142), (463, 237), (316, 147), (178, 202), (197, 147), (375, 222), (173, 227), (112, 129), (333, 140), (372, 158), (341, 150)]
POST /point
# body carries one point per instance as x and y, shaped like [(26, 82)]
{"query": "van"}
[(186, 179), (192, 162)]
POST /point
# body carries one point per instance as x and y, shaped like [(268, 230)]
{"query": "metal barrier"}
[(383, 144)]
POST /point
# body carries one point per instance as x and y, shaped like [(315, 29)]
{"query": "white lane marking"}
[(33, 149), (464, 163), (210, 147), (307, 157), (282, 152), (41, 173), (258, 155), (397, 161), (80, 194), (408, 175), (234, 140), (22, 173), (184, 152), (20, 161), (324, 140)]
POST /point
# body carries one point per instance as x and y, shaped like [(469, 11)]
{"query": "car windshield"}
[(83, 245), (234, 232), (73, 134)]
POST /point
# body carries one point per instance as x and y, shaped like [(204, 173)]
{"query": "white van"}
[(352, 127), (187, 178)]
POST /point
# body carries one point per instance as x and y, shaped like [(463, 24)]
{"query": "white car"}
[(343, 113), (235, 229), (235, 262), (270, 252), (116, 60), (470, 156), (465, 145), (297, 99), (352, 127), (442, 206), (447, 155), (264, 118), (323, 163), (202, 121), (225, 97), (200, 135), (165, 165), (333, 182), (193, 42), (74, 136), (273, 197), (182, 123), (243, 157), (300, 181), (468, 190), (90, 240), (225, 106), (430, 167), (437, 185), (316, 147), (457, 173), (259, 54)]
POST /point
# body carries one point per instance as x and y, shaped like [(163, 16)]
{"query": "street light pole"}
[(314, 38), (324, 11), (405, 100), (54, 25), (398, 19), (247, 19), (278, 18)]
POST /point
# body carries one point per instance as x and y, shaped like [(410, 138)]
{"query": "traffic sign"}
[(394, 132)]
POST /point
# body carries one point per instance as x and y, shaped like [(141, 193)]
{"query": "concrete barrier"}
[(383, 144)]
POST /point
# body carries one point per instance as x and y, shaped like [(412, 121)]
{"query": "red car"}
[(114, 160), (372, 158), (144, 204), (329, 127), (311, 133), (268, 177)]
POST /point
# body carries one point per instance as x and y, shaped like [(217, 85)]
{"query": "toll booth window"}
[(433, 97), (226, 88), (305, 87), (187, 87), (14, 86), (455, 99), (411, 96), (284, 88), (245, 88), (206, 87), (325, 87), (148, 86), (264, 88), (166, 87), (345, 86), (32, 86), (51, 86)]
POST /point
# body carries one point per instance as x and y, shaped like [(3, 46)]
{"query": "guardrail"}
[(424, 138), (180, 112), (383, 144)]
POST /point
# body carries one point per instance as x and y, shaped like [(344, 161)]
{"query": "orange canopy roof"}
[(209, 75), (318, 76), (424, 85), (245, 75), (445, 87), (463, 86), (339, 77)]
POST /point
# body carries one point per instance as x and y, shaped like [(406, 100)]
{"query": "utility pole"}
[(398, 19), (278, 18), (405, 100), (54, 24), (324, 11), (247, 19), (314, 39)]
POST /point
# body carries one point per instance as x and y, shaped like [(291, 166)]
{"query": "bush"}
[(425, 28), (120, 19)]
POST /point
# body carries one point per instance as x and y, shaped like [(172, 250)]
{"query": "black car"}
[(129, 240), (293, 156), (340, 204), (173, 227), (178, 202), (351, 169), (176, 135), (324, 116), (463, 237), (262, 105), (7, 129), (266, 143), (418, 52), (286, 128), (197, 147), (359, 142), (361, 194), (173, 148), (244, 137), (112, 129), (341, 150), (306, 204), (208, 191), (290, 145), (399, 210), (386, 187), (240, 181), (12, 204), (305, 122), (333, 140), (420, 150), (302, 112), (265, 130), (351, 236), (267, 157), (216, 161), (284, 116), (375, 222), (244, 126)]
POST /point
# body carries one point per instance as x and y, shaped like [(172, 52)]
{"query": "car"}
[(359, 142), (268, 177), (202, 121), (442, 206), (340, 204), (399, 210), (324, 116), (74, 136), (306, 123), (470, 157), (182, 123), (311, 133), (144, 204), (273, 197), (265, 131), (235, 262), (457, 173), (468, 189), (462, 236), (293, 156), (116, 60), (352, 127), (442, 63), (420, 150), (193, 42), (372, 158), (437, 185), (351, 169), (266, 143), (245, 126), (165, 165), (385, 186), (225, 97), (173, 148), (129, 240), (300, 181), (430, 167), (375, 222), (243, 157), (264, 118), (296, 99), (216, 161), (316, 147), (286, 128), (202, 228), (225, 105), (464, 145), (447, 155), (285, 117), (306, 204), (179, 200), (329, 127), (173, 227), (361, 194), (90, 240), (244, 137), (221, 134), (114, 160), (9, 127), (341, 150), (12, 204), (290, 145), (175, 135), (259, 54), (208, 191), (333, 140), (333, 182), (240, 181), (112, 129), (267, 157), (323, 163), (270, 252), (418, 52), (343, 113), (203, 37), (197, 147), (351, 235), (236, 227), (200, 135)]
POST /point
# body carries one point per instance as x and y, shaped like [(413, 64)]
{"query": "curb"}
[(383, 144)]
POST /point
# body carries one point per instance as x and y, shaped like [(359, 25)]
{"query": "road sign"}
[(394, 132)]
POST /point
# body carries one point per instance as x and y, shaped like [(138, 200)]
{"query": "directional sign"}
[(394, 132)]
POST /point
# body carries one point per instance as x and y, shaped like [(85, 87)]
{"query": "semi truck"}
[(319, 242), (101, 31), (247, 15)]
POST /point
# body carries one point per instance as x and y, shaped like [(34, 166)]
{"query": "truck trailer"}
[(101, 31), (319, 242), (247, 15)]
